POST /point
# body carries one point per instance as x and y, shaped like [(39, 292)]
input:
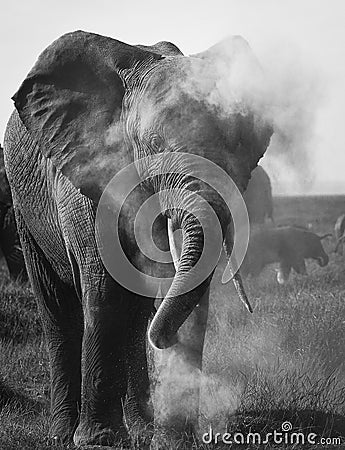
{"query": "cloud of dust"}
[(232, 356), (285, 88), (298, 92), (176, 394)]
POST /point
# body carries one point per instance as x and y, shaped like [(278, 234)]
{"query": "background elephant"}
[(258, 196), (9, 239), (339, 229), (288, 246), (90, 106)]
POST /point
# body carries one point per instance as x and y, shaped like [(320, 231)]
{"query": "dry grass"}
[(286, 362)]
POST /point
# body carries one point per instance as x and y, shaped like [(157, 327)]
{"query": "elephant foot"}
[(138, 419), (102, 447), (88, 437), (166, 438), (61, 431), (118, 446), (141, 435), (168, 441), (62, 442)]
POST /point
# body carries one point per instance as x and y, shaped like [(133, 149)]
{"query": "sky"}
[(302, 38)]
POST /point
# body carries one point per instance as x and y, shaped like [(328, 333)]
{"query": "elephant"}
[(91, 106), (339, 229), (9, 239), (258, 197), (289, 246)]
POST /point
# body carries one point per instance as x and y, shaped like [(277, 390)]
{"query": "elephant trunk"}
[(195, 261), (202, 238), (181, 298)]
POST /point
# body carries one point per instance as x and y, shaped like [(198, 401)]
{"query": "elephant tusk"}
[(175, 247), (237, 280), (235, 276)]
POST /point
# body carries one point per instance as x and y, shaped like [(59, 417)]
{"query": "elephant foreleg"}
[(138, 409), (104, 382), (300, 267)]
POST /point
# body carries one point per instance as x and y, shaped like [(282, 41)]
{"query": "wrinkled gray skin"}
[(9, 239), (339, 231), (258, 197), (56, 140), (288, 246)]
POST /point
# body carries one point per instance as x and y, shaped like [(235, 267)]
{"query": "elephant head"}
[(96, 104)]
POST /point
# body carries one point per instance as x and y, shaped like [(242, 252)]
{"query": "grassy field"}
[(284, 363)]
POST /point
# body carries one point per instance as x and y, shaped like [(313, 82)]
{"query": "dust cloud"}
[(178, 386), (285, 87), (298, 93)]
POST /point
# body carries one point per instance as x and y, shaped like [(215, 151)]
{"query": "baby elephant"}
[(288, 246)]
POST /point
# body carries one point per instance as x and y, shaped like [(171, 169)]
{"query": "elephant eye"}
[(155, 141)]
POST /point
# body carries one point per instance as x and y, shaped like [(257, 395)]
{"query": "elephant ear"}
[(163, 48), (71, 102), (235, 66), (227, 49)]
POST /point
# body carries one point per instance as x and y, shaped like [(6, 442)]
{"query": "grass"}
[(285, 362), (24, 379)]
